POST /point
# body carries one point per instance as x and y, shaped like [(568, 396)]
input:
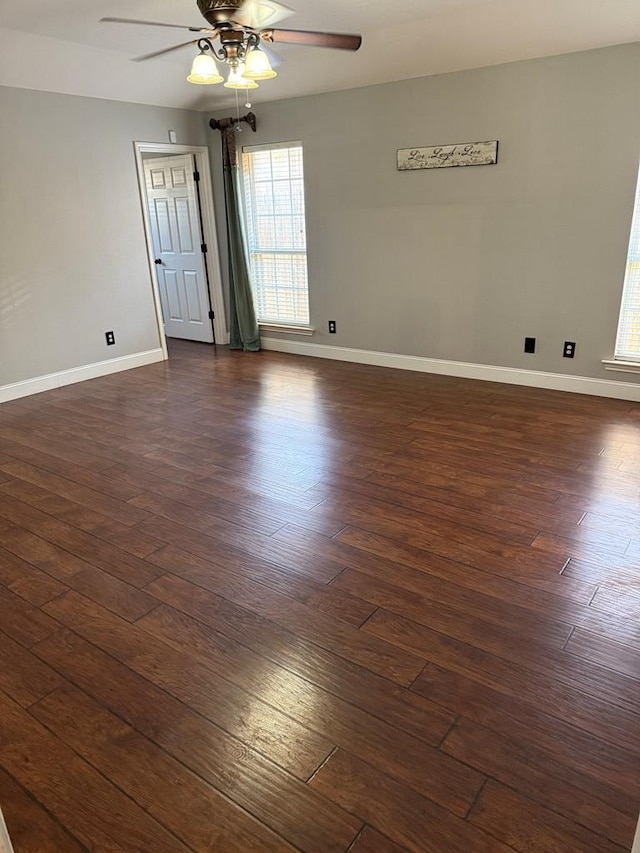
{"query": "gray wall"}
[(73, 262), (461, 264)]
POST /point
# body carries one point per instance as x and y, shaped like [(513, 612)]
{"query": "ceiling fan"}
[(242, 27)]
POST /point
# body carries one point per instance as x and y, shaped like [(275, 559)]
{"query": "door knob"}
[(158, 261)]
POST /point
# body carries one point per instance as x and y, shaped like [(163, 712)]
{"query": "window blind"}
[(628, 339), (276, 231)]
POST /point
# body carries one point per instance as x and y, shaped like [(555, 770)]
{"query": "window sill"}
[(287, 328), (621, 366)]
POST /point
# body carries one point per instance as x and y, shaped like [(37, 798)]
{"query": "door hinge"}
[(196, 176), (203, 248), (212, 315)]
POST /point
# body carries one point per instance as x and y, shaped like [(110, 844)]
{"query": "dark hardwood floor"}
[(256, 602)]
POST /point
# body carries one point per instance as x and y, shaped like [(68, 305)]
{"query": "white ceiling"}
[(59, 46)]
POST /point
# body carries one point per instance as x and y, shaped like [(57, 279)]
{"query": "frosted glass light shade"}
[(257, 66), (204, 71), (237, 80)]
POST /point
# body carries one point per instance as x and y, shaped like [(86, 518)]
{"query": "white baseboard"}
[(466, 370), (78, 374), (5, 841)]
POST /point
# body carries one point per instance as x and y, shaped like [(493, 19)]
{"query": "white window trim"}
[(271, 146), (629, 360), (274, 325), (288, 328), (621, 366)]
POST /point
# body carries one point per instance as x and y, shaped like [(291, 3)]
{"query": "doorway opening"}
[(179, 221)]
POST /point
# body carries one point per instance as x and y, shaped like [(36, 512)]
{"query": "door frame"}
[(209, 236)]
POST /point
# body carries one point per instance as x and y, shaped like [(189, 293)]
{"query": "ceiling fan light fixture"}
[(237, 80), (257, 66), (204, 71), (239, 28)]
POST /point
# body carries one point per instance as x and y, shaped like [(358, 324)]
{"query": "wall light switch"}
[(173, 136)]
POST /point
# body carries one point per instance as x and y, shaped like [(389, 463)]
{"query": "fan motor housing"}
[(219, 11)]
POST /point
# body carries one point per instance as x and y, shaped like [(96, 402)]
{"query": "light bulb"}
[(236, 79), (257, 66), (204, 70)]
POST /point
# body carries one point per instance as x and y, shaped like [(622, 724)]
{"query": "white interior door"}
[(174, 217)]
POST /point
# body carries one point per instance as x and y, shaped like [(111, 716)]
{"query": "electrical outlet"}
[(529, 344), (569, 349), (111, 338), (332, 327)]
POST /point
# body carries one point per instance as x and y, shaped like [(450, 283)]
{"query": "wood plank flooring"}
[(256, 602)]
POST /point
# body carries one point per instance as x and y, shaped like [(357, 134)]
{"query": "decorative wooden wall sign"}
[(445, 156)]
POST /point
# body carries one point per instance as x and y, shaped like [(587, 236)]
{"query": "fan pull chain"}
[(238, 126)]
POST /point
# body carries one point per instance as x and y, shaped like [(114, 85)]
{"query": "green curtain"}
[(245, 334)]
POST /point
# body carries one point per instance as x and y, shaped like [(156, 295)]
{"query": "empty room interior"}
[(320, 426)]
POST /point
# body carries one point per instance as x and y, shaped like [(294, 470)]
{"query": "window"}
[(628, 340), (276, 235)]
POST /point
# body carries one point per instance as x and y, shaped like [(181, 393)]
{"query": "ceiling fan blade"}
[(153, 24), (339, 41), (261, 13), (162, 52)]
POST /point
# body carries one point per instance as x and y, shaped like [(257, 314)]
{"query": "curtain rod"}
[(225, 123)]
